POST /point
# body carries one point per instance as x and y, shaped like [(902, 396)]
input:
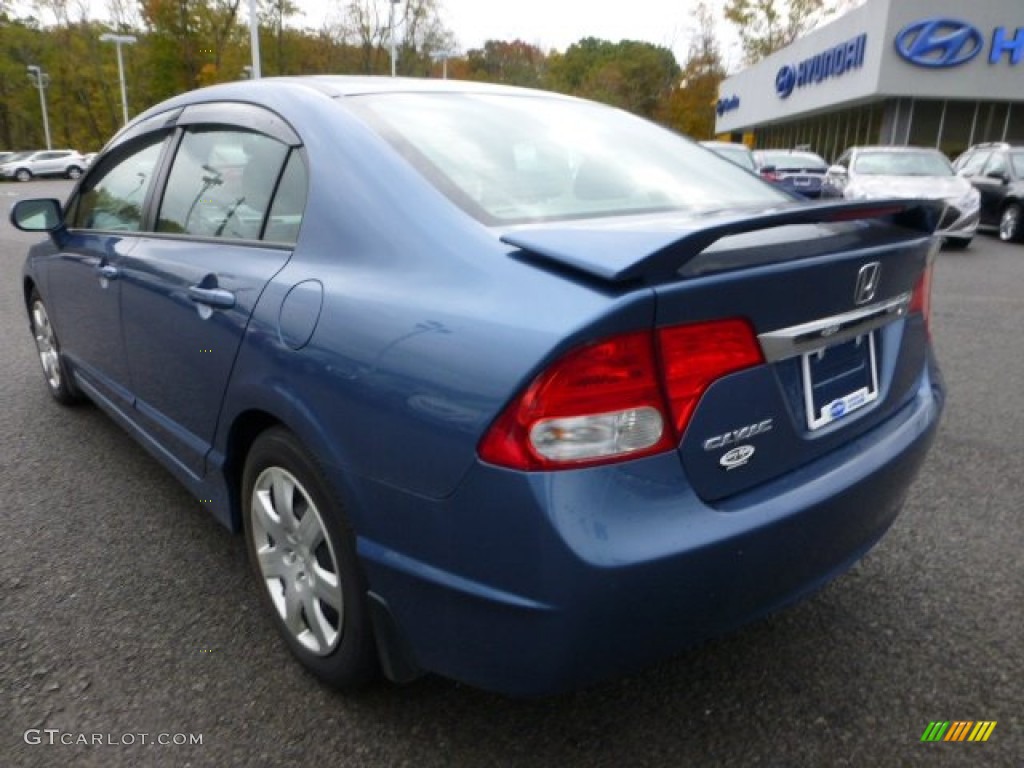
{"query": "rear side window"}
[(972, 165), (221, 184), (289, 202), (113, 199), (997, 165)]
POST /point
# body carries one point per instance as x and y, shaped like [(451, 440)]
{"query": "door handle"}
[(213, 297), (108, 271)]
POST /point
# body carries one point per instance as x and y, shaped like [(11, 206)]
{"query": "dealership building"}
[(933, 73)]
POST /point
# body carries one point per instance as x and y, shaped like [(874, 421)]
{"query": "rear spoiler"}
[(656, 254)]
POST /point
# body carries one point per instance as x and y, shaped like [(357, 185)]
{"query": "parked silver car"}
[(24, 166), (863, 173)]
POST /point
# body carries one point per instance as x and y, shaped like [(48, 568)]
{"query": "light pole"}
[(40, 79), (120, 40), (443, 56), (254, 41), (391, 27)]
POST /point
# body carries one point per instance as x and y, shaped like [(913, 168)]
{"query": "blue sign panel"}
[(939, 43), (832, 63)]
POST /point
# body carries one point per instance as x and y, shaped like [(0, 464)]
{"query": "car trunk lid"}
[(828, 290)]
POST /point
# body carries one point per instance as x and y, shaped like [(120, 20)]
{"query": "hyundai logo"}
[(785, 81), (939, 43)]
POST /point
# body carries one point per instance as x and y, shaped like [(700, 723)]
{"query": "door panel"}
[(86, 309), (104, 219), (180, 344)]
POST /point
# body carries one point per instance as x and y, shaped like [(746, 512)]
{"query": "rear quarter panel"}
[(428, 327)]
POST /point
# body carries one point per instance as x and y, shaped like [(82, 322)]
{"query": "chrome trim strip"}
[(808, 337)]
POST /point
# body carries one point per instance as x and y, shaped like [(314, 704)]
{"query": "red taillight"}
[(769, 175), (606, 402), (694, 356), (921, 299)]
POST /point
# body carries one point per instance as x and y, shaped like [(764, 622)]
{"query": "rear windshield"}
[(509, 159), (794, 161), (902, 164)]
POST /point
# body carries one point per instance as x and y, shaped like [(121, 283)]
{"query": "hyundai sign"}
[(727, 105), (834, 62), (941, 43)]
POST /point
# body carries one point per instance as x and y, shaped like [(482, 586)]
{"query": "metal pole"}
[(120, 40), (254, 40), (124, 92), (40, 78), (391, 30)]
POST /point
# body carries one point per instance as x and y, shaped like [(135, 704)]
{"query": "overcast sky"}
[(560, 23)]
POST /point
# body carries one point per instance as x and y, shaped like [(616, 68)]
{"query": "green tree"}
[(512, 63), (766, 26), (274, 14), (632, 75)]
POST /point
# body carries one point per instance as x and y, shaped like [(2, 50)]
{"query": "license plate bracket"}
[(839, 380)]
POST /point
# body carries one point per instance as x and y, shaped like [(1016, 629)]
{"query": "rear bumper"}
[(536, 584)]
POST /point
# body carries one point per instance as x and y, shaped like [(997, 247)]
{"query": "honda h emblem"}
[(867, 283)]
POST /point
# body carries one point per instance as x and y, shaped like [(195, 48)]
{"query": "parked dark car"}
[(997, 171), (796, 171), (498, 384)]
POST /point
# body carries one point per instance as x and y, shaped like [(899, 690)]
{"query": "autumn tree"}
[(419, 33), (766, 26), (690, 108)]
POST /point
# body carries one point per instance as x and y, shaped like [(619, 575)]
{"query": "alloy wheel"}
[(46, 345), (1009, 224), (298, 564)]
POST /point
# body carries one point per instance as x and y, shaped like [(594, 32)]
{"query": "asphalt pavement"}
[(128, 616)]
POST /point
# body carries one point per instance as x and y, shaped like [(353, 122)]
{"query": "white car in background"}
[(863, 173), (24, 166)]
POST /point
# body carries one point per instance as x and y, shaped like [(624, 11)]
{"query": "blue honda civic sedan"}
[(497, 384)]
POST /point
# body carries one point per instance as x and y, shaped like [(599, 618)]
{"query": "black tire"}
[(1011, 224), (335, 643), (55, 369), (73, 172), (23, 174)]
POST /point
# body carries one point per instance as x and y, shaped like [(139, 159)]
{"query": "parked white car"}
[(864, 173), (24, 166)]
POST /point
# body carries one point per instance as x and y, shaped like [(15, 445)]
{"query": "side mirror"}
[(42, 215), (999, 176), (838, 171)]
